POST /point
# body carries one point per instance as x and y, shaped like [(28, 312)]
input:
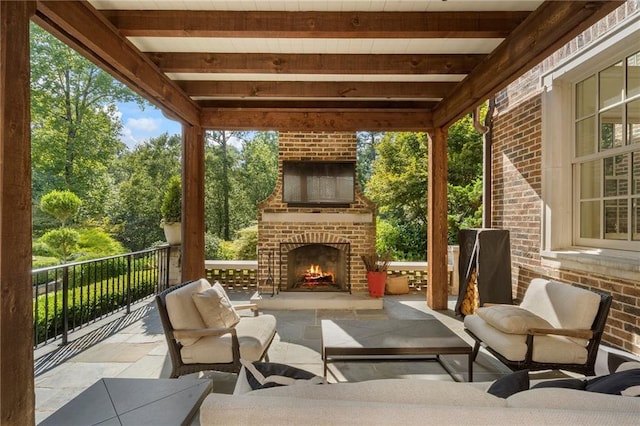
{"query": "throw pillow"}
[(215, 308), (577, 384), (619, 383), (510, 384), (261, 375), (511, 319)]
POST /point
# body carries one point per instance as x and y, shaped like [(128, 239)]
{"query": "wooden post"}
[(17, 397), (192, 203), (437, 250)]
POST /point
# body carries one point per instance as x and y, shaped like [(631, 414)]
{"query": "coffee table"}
[(123, 401), (393, 340)]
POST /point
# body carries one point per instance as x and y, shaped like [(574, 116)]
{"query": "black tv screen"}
[(318, 182)]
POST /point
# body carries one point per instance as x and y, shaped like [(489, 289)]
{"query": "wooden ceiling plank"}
[(80, 26), (316, 89), (317, 120), (273, 63), (312, 105), (182, 23), (547, 29)]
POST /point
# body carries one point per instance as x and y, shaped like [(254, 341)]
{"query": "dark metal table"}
[(120, 401), (393, 340)]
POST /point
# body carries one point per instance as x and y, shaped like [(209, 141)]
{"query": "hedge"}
[(87, 303)]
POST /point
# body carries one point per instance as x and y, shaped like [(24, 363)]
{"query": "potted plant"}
[(376, 266), (172, 211)]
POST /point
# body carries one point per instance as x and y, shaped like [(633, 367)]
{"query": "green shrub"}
[(172, 202), (63, 242), (87, 303), (60, 204), (246, 245)]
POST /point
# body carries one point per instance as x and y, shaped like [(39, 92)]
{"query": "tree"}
[(63, 242), (366, 154), (62, 205), (140, 178), (399, 186), (464, 184), (221, 158), (75, 126)]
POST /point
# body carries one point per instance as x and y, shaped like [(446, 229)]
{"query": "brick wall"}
[(278, 223), (517, 191)]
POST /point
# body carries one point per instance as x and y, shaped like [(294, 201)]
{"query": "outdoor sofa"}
[(414, 401)]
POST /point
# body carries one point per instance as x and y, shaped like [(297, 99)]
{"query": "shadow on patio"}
[(133, 346)]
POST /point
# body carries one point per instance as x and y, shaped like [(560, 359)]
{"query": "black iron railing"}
[(70, 296)]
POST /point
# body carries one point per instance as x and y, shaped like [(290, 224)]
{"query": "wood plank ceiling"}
[(318, 65)]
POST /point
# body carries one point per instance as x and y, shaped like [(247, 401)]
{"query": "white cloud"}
[(128, 138), (143, 124)]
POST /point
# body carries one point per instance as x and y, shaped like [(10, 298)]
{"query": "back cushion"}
[(215, 307), (182, 312), (563, 305)]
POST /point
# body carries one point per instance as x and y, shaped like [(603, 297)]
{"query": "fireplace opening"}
[(316, 267)]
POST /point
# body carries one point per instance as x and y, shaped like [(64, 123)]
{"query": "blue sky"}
[(141, 125)]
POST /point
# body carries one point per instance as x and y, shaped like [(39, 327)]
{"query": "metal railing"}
[(73, 295)]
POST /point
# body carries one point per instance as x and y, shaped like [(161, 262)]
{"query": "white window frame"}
[(559, 246)]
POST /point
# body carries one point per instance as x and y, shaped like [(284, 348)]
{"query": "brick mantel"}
[(279, 223)]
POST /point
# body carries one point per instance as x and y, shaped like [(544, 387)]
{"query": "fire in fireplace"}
[(316, 266)]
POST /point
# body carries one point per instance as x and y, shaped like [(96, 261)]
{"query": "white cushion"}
[(629, 365), (561, 399), (254, 334), (563, 305), (215, 307), (399, 391), (555, 349), (511, 319), (181, 310)]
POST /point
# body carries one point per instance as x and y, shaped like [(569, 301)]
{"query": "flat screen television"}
[(318, 183)]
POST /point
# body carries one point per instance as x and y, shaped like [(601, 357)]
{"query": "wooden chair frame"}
[(179, 368), (594, 335)]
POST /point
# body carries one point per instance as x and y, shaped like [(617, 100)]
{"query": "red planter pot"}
[(376, 282)]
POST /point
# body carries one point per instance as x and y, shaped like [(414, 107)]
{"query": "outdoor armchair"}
[(556, 327), (204, 331)]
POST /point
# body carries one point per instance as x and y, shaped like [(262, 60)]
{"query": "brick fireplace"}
[(312, 230)]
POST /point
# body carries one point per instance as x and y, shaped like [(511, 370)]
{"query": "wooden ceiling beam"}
[(273, 63), (83, 28), (547, 29), (316, 89), (315, 120), (333, 105), (181, 23)]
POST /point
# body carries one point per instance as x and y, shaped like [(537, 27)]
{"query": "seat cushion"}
[(563, 305), (511, 319), (254, 336), (547, 349), (182, 311), (215, 308)]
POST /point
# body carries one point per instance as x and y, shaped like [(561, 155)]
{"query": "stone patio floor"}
[(133, 346)]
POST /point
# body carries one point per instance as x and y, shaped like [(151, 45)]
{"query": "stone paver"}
[(139, 351)]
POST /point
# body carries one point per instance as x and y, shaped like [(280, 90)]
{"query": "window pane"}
[(585, 137), (590, 219), (635, 189), (633, 122), (615, 219), (590, 180), (611, 129), (586, 97), (633, 75), (616, 175), (636, 220), (611, 85)]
